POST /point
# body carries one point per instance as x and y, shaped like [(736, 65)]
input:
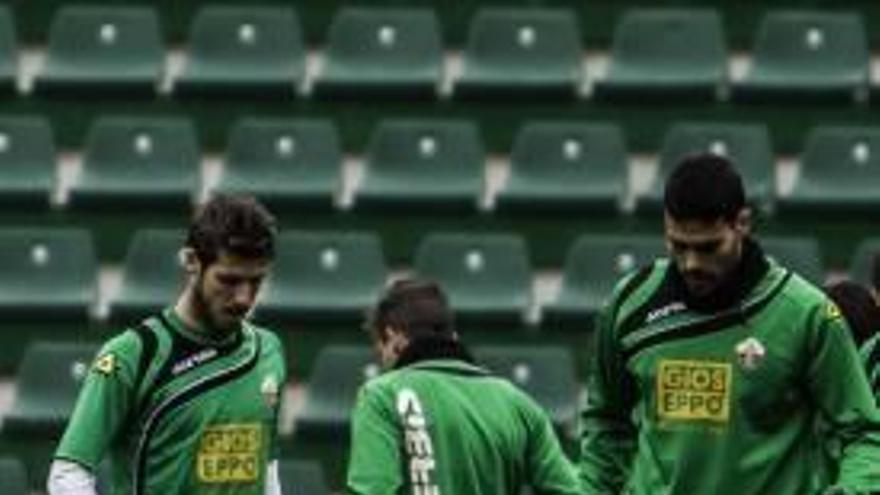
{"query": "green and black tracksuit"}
[(178, 414), (721, 395), (440, 425)]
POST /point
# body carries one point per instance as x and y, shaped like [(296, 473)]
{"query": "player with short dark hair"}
[(713, 365), (438, 423), (186, 402)]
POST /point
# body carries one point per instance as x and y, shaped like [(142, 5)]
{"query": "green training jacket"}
[(725, 401)]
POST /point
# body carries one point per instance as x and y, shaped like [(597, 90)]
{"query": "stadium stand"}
[(666, 54), (374, 52), (807, 56), (487, 276), (27, 162), (289, 164), (253, 52), (860, 264), (321, 276), (13, 477), (561, 167), (8, 53), (103, 52), (300, 477), (530, 53)]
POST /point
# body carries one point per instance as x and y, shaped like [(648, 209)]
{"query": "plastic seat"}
[(13, 477), (486, 276), (338, 372), (302, 478), (808, 56), (27, 162), (593, 265), (521, 52), (800, 254), (53, 270), (329, 276), (288, 164), (382, 52), (253, 52), (434, 165), (151, 275), (747, 145), (48, 382), (8, 53), (861, 262), (565, 167), (666, 54), (839, 173), (103, 52), (150, 162), (546, 373)]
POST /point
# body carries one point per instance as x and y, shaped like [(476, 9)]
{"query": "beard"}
[(206, 313)]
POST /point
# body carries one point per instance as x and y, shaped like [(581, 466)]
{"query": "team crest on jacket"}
[(270, 391), (750, 353)]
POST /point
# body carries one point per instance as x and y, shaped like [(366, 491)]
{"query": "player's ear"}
[(744, 221), (189, 261)]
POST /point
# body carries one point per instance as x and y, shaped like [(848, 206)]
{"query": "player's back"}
[(464, 431)]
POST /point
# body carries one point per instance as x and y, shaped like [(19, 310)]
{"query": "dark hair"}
[(704, 186), (236, 224), (418, 308), (858, 307), (875, 271)]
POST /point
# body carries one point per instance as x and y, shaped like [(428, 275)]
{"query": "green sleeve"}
[(871, 358), (549, 470), (103, 404), (607, 432), (275, 352), (374, 460), (838, 384)]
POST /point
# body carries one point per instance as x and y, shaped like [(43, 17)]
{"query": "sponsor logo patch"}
[(230, 453), (105, 364), (693, 390)]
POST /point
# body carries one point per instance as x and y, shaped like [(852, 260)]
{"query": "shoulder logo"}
[(270, 391), (105, 364), (832, 311), (750, 353)]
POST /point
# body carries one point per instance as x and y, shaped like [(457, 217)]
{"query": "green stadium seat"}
[(102, 52), (54, 270), (546, 373), (150, 162), (253, 52), (593, 265), (48, 382), (486, 276), (861, 262), (151, 275), (27, 162), (839, 173), (434, 165), (800, 254), (8, 53), (374, 52), (666, 54), (299, 477), (338, 372), (748, 145), (565, 167), (521, 52), (808, 56), (288, 164), (323, 276), (13, 477)]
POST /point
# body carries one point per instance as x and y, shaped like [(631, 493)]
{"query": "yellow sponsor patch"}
[(230, 453), (693, 390), (105, 364)]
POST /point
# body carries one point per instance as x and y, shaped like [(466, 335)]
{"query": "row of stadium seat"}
[(335, 276), (51, 373), (258, 52), (428, 165)]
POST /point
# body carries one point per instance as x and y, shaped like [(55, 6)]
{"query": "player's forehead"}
[(234, 265), (696, 231)]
